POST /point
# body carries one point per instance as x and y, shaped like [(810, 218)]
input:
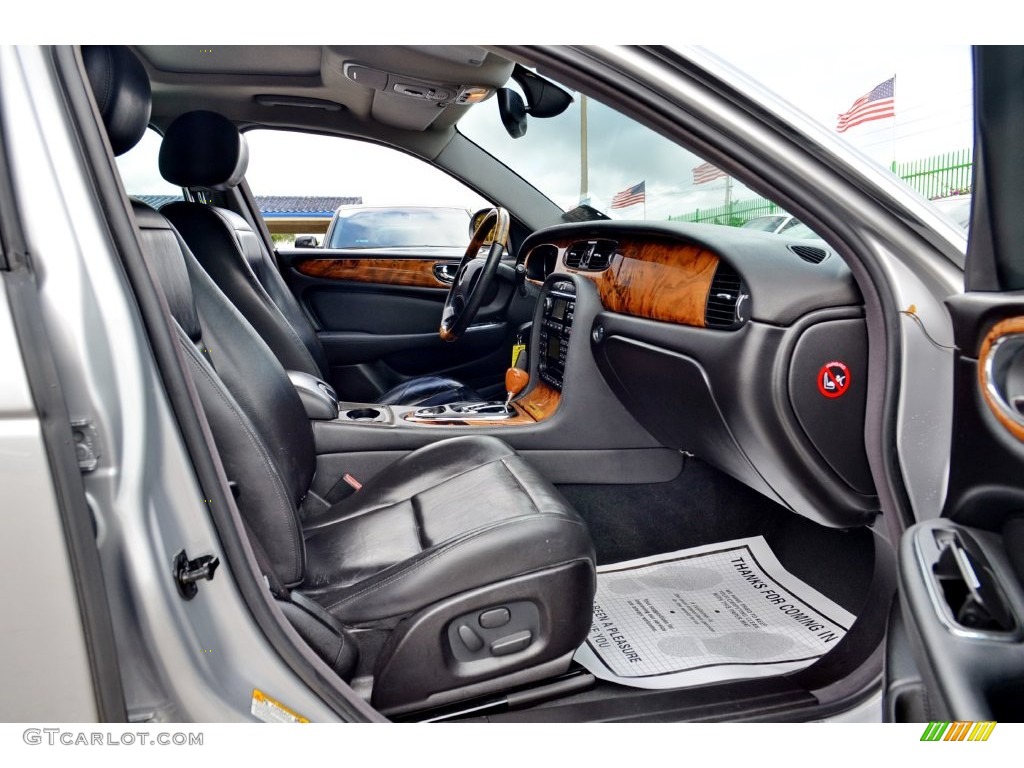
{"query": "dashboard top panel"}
[(665, 270)]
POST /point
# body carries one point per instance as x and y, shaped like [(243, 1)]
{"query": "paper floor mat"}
[(708, 614)]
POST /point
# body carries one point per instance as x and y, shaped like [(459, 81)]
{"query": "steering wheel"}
[(475, 275)]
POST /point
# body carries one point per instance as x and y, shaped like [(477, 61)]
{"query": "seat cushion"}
[(451, 517)]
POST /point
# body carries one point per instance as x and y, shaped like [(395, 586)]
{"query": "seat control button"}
[(496, 617), (511, 643), (470, 638)]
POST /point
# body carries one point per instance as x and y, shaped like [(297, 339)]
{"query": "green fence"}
[(733, 214), (934, 177), (939, 176)]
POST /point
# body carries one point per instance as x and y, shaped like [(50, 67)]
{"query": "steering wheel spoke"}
[(475, 274)]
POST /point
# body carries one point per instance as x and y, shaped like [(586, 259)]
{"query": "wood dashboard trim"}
[(412, 272), (655, 279), (539, 403)]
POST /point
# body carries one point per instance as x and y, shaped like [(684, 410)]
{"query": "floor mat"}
[(707, 614)]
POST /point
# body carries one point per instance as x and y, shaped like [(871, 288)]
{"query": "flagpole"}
[(894, 122), (584, 181)]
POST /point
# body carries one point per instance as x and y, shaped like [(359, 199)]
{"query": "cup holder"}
[(474, 410), (363, 414), (432, 410)]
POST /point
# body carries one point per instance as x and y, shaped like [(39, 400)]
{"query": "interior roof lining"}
[(179, 86)]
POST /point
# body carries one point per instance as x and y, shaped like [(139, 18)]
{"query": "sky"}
[(933, 91), (933, 115)]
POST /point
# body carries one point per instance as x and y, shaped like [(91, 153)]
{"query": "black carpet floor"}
[(704, 506)]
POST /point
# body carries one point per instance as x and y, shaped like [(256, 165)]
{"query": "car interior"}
[(430, 510)]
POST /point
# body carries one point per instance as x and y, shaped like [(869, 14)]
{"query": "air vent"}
[(574, 256), (726, 300), (592, 255), (810, 253), (601, 256)]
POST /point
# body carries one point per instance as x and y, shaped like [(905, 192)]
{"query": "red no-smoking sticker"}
[(834, 379)]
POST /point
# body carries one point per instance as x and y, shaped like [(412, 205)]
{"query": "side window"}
[(325, 191), (140, 172)]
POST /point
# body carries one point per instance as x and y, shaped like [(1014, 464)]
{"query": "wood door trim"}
[(1003, 328), (412, 272)]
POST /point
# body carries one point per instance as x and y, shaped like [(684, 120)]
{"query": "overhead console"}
[(746, 349)]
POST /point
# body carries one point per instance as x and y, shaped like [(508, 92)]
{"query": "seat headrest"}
[(121, 88), (203, 149)]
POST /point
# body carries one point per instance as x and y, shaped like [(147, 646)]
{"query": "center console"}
[(547, 356), (565, 418), (544, 362), (555, 329), (473, 411)]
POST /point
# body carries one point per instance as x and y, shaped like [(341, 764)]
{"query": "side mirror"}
[(474, 224), (306, 241)]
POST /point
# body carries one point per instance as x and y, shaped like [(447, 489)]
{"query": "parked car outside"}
[(801, 231), (958, 208), (775, 223), (369, 227)]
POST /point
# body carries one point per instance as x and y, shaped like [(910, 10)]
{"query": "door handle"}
[(446, 272)]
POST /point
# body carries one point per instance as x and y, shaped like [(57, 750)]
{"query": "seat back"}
[(258, 422), (204, 149)]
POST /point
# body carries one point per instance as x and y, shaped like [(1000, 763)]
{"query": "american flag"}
[(879, 104), (706, 172), (632, 196)]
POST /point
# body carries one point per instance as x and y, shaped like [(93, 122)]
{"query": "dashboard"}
[(746, 349)]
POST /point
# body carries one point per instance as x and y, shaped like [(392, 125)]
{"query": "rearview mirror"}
[(306, 241), (545, 99), (513, 112)]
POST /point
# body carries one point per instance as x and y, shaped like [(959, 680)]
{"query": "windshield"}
[(400, 228), (593, 155)]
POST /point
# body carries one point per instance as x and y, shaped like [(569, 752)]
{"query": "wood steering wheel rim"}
[(475, 275)]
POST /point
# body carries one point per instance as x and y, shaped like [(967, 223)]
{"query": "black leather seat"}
[(456, 571), (204, 149)]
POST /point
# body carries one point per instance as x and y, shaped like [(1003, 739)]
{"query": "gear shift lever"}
[(516, 380)]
